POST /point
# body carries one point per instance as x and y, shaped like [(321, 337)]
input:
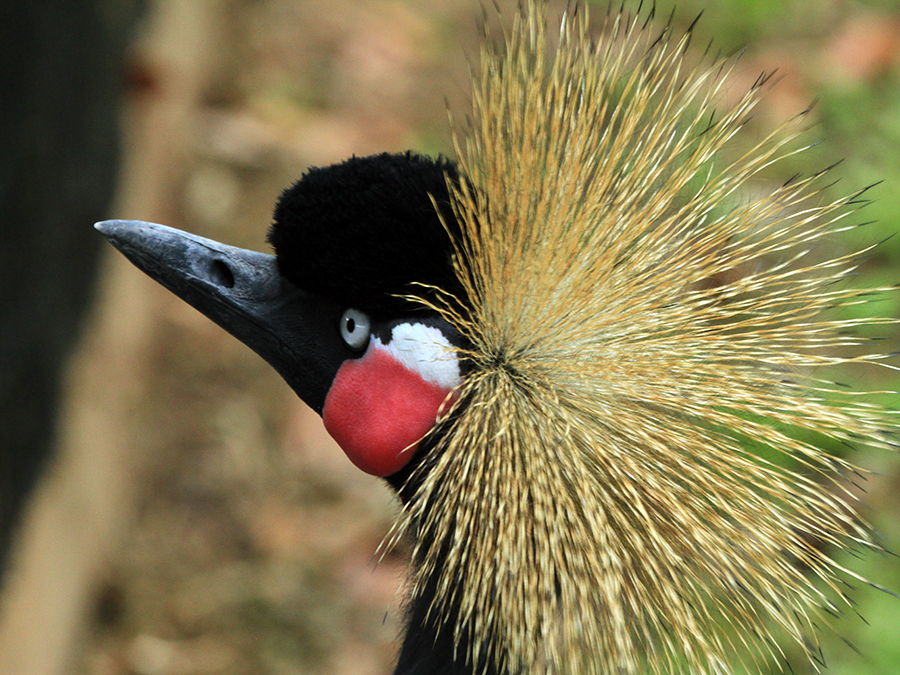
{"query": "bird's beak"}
[(242, 291)]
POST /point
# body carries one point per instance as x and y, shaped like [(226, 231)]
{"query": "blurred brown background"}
[(195, 518)]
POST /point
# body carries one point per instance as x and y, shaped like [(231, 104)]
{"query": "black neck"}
[(428, 647)]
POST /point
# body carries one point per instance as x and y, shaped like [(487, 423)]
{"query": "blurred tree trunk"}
[(60, 86)]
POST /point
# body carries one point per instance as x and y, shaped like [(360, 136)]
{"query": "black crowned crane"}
[(586, 357)]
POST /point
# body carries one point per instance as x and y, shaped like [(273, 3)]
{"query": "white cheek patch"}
[(424, 350)]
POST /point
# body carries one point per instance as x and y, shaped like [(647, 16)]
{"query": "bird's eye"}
[(355, 328)]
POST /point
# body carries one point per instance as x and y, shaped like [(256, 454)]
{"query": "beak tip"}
[(125, 232), (110, 227)]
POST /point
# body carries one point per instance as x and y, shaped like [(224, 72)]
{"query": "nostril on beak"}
[(220, 274)]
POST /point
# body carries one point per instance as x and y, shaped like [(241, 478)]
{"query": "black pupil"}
[(351, 324)]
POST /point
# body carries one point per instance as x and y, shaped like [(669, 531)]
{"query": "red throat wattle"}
[(378, 410)]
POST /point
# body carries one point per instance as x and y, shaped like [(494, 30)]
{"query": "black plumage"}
[(364, 231)]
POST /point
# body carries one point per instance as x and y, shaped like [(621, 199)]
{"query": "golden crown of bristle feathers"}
[(648, 336)]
